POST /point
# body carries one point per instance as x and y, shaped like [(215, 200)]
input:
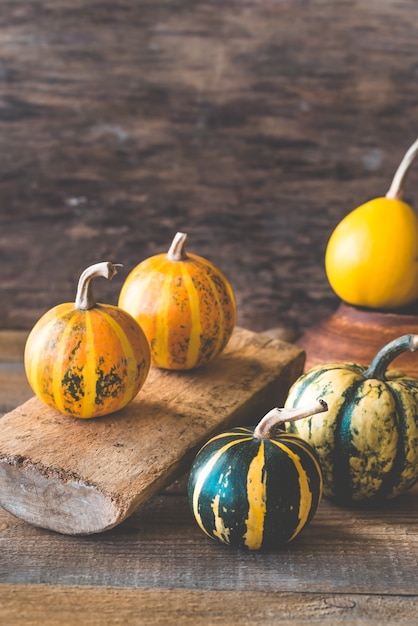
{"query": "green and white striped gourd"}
[(367, 442), (256, 488)]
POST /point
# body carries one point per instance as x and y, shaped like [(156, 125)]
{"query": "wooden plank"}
[(85, 476), (160, 546), (52, 604)]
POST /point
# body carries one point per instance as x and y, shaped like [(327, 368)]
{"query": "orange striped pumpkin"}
[(184, 304), (87, 359)]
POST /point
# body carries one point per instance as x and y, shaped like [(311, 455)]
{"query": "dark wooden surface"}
[(253, 125), (347, 567)]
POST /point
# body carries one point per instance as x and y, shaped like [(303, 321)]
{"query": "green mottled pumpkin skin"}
[(367, 441), (254, 493)]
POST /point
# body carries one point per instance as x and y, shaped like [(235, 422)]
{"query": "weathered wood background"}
[(253, 125)]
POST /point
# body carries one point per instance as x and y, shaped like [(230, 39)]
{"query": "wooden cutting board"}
[(78, 476)]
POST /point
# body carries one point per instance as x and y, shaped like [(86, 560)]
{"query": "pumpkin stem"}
[(388, 353), (266, 427), (177, 251), (396, 188), (85, 299)]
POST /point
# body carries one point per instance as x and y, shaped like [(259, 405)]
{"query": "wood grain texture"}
[(85, 476), (92, 606), (254, 126), (160, 546), (348, 566), (354, 334)]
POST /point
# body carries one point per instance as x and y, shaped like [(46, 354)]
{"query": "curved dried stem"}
[(266, 427), (396, 188), (177, 251), (388, 353), (85, 299)]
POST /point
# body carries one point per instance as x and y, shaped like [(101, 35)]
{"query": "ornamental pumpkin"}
[(87, 359), (256, 488), (367, 443), (371, 258), (184, 304)]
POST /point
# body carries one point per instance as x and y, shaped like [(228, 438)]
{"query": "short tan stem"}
[(396, 188), (266, 427), (85, 299), (177, 251)]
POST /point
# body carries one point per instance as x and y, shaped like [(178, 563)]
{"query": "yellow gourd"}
[(184, 304), (371, 258), (87, 359)]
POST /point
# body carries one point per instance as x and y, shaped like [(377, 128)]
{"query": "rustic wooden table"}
[(254, 126), (157, 567)]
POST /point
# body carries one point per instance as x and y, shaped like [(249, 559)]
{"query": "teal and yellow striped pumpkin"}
[(184, 304), (87, 359), (255, 488), (367, 443)]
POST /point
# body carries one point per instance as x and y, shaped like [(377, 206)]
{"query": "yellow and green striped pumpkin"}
[(367, 443), (255, 489), (87, 359), (184, 304)]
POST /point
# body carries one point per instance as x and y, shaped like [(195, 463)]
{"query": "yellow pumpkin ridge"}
[(221, 331), (159, 343), (41, 353), (128, 352), (60, 365), (130, 299), (196, 325), (89, 370), (204, 473), (221, 531), (245, 436), (305, 496), (257, 497), (308, 451), (141, 295), (34, 353)]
